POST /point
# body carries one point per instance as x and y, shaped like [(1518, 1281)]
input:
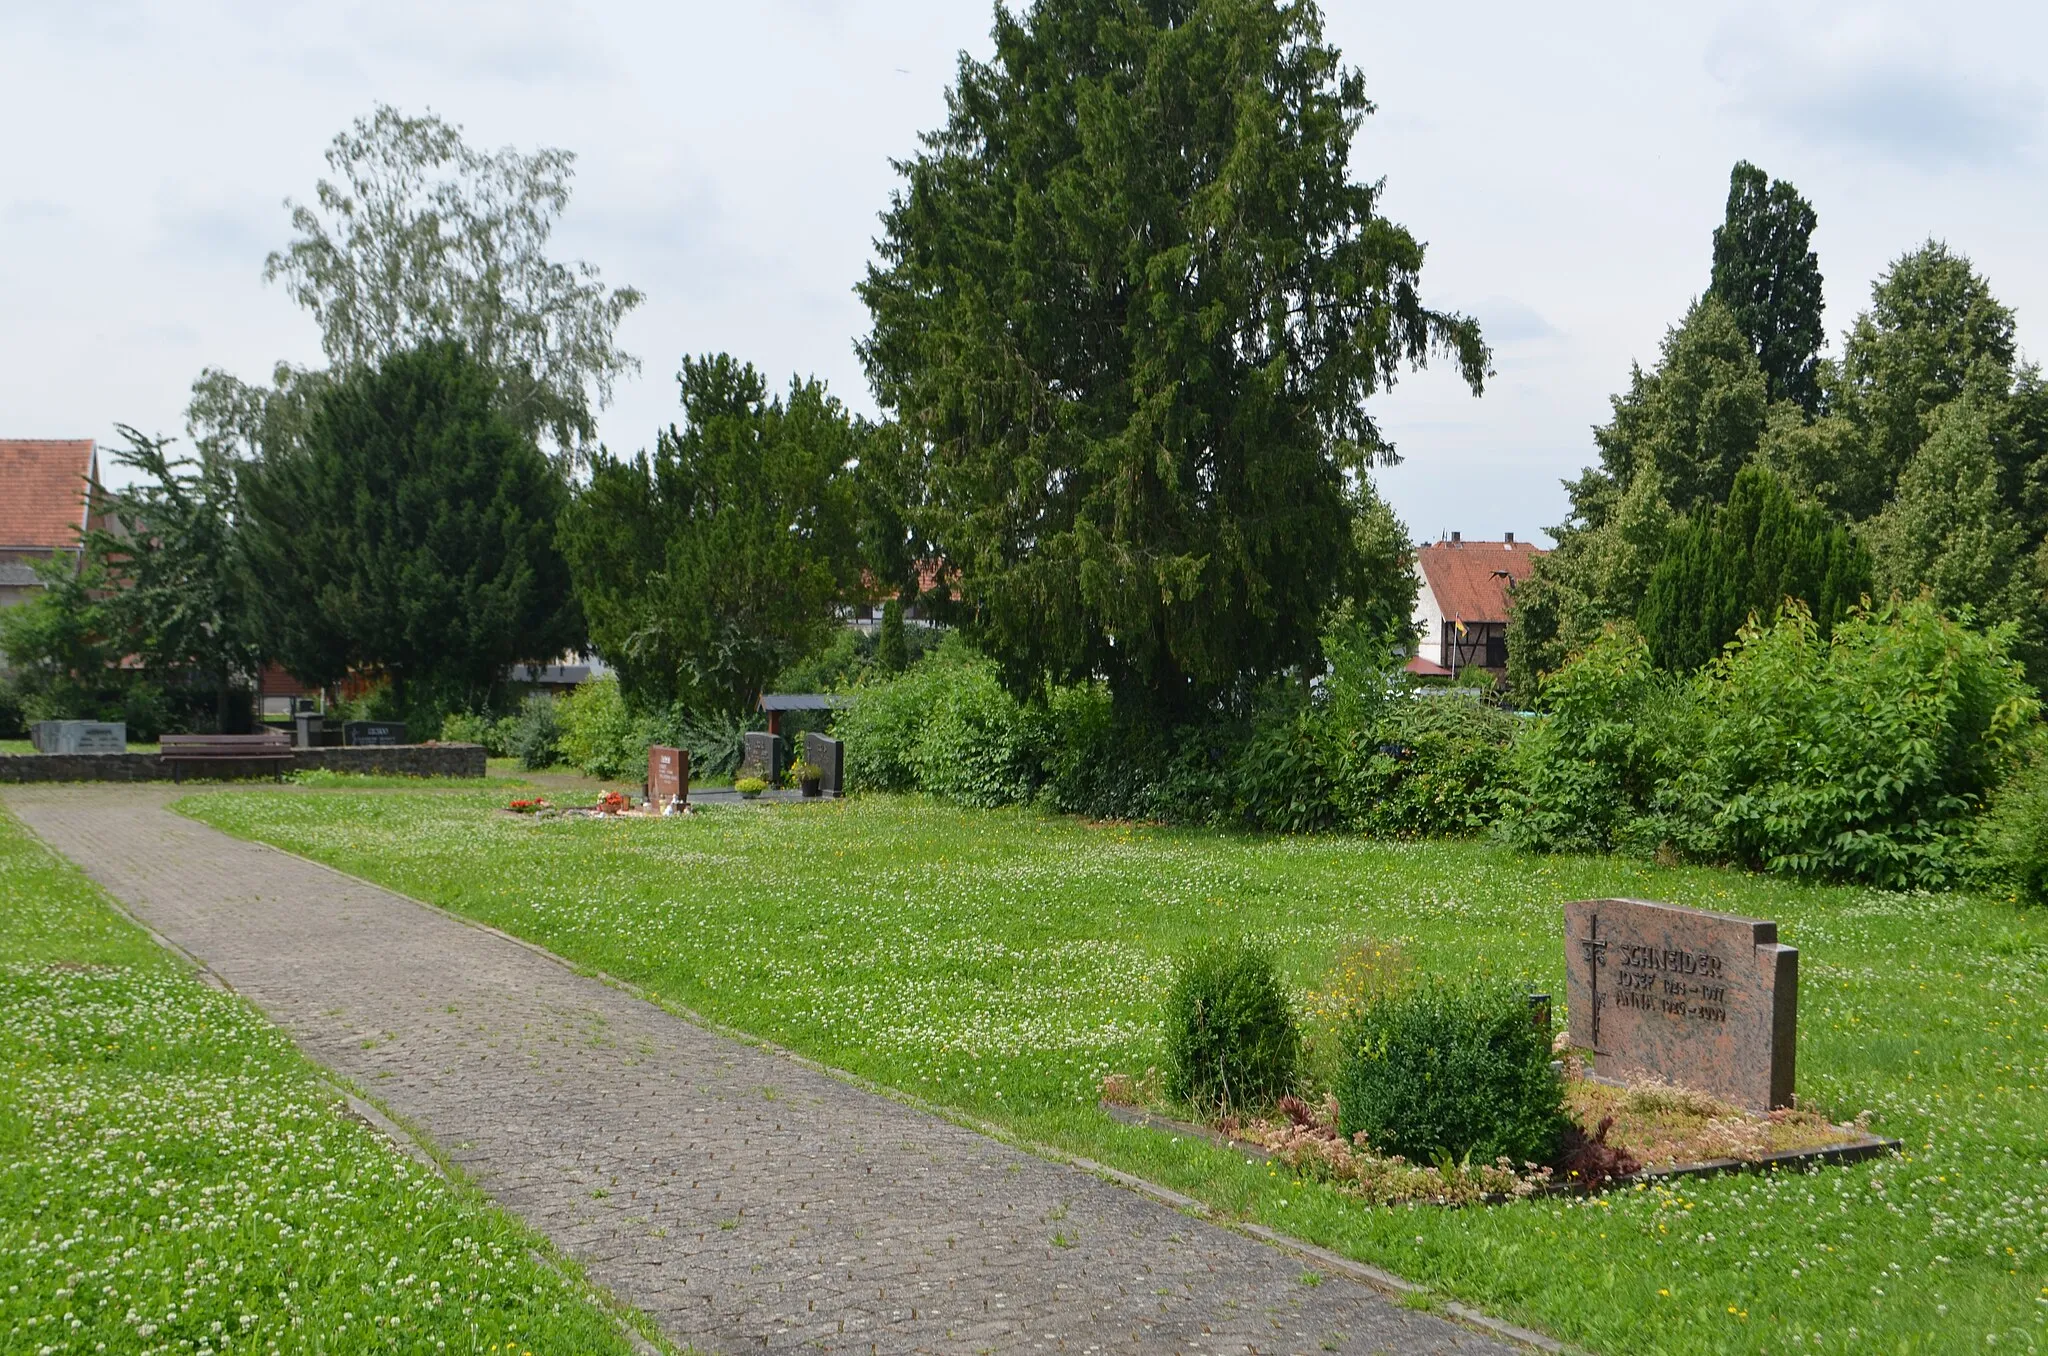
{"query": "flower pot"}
[(750, 795), (812, 787)]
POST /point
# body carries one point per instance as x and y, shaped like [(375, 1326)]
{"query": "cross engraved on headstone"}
[(1594, 949), (1664, 992)]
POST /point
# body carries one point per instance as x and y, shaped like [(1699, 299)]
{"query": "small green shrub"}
[(534, 735), (1451, 1067), (2014, 835), (467, 727), (599, 735), (750, 786), (1231, 1038)]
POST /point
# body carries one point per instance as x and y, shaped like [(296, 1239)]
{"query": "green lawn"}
[(999, 963), (175, 1178)]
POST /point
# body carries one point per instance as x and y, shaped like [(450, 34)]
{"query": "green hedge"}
[(1231, 1039), (1866, 756)]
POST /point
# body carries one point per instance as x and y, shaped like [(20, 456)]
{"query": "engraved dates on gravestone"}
[(668, 777), (373, 733), (1707, 1000)]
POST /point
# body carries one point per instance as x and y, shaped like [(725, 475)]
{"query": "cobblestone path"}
[(743, 1201)]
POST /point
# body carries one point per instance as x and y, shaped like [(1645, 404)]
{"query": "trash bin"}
[(307, 733)]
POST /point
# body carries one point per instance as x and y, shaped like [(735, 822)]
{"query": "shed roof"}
[(1470, 579), (43, 491), (802, 701)]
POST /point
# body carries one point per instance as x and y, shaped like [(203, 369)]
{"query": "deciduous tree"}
[(1767, 275)]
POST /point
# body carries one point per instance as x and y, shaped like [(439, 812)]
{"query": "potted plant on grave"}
[(750, 788), (808, 778)]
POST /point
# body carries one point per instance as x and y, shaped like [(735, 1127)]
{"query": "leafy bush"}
[(468, 727), (750, 786), (1451, 1067), (600, 737), (1231, 1040), (2015, 834), (1587, 776), (716, 740), (1432, 766), (534, 735), (947, 727), (1861, 758), (1865, 756)]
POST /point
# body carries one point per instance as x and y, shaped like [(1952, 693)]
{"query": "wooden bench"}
[(272, 747)]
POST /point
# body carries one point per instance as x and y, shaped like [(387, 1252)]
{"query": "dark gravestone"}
[(1706, 1000), (763, 758), (828, 755), (373, 733), (668, 777)]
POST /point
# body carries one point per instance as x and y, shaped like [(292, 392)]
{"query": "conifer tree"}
[(1744, 559), (1130, 310), (411, 534)]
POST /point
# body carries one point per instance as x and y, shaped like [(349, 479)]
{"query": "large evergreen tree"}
[(411, 534), (710, 566), (1951, 532), (1130, 310), (1933, 333), (1767, 275), (1742, 560)]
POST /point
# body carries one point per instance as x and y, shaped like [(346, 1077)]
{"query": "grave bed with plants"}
[(176, 1177), (999, 965)]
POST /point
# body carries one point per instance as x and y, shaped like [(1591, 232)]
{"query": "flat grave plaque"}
[(1706, 1000), (668, 777), (373, 733)]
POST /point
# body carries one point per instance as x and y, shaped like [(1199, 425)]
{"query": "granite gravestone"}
[(828, 755), (763, 758), (373, 733), (79, 736), (668, 777), (1706, 1000)]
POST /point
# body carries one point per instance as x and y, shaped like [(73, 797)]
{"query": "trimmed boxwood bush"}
[(1231, 1041), (1451, 1067)]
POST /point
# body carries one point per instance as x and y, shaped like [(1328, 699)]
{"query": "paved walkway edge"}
[(1386, 1282), (355, 1101)]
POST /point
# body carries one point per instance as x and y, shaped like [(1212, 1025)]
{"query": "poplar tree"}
[(1766, 273)]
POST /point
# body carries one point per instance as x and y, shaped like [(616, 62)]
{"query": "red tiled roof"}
[(1427, 668), (42, 491), (1470, 579)]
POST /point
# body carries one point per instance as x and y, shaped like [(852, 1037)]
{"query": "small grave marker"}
[(1707, 1000), (373, 733), (828, 755), (763, 757), (668, 778)]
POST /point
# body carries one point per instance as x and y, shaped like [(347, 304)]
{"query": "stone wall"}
[(400, 760)]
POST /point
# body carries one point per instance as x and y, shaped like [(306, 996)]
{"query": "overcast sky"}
[(1565, 163)]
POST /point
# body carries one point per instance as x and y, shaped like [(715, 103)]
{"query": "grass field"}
[(999, 963), (174, 1177)]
